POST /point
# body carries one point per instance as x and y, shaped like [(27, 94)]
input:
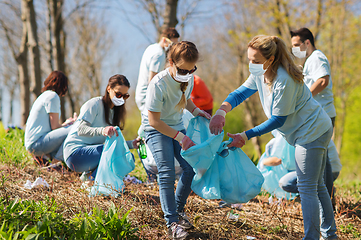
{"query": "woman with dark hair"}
[(97, 119), (43, 132)]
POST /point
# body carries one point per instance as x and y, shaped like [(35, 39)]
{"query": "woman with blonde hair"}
[(290, 108), (167, 95)]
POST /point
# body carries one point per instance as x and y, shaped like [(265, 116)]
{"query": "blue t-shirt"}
[(317, 66), (163, 95), (306, 120), (93, 112), (153, 60), (38, 123)]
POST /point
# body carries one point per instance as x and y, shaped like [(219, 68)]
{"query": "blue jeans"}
[(85, 158), (164, 149), (315, 200), (289, 181), (51, 143)]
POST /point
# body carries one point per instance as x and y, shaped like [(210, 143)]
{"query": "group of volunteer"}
[(297, 102)]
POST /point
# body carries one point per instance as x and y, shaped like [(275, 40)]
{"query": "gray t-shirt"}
[(92, 112), (163, 95), (317, 66), (38, 123), (153, 59)]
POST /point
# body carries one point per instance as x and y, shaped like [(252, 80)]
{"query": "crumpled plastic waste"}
[(38, 182), (250, 237), (133, 180), (232, 216)]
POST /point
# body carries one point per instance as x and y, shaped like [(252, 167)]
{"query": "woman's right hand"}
[(110, 131), (216, 124), (186, 143)]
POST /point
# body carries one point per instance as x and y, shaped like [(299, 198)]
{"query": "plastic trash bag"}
[(283, 150), (116, 162), (272, 174), (220, 172)]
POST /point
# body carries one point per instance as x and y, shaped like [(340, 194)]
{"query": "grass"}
[(64, 211)]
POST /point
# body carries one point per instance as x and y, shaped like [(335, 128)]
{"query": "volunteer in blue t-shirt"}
[(290, 108), (97, 120), (44, 135)]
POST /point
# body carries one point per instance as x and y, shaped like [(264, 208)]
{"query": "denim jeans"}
[(85, 158), (164, 149), (51, 143), (289, 181), (315, 200)]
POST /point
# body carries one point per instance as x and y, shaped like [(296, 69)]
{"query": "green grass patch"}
[(29, 219), (12, 150)]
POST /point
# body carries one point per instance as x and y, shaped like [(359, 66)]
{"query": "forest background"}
[(92, 40)]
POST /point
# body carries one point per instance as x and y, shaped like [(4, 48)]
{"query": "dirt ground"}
[(257, 219)]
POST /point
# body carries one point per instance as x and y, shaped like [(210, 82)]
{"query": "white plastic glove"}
[(184, 140), (217, 122), (239, 139), (110, 131), (197, 112)]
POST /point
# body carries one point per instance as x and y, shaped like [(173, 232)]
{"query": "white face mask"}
[(182, 78), (118, 101), (298, 53), (257, 69), (166, 48)]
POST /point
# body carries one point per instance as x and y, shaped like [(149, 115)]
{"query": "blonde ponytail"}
[(182, 102), (274, 46)]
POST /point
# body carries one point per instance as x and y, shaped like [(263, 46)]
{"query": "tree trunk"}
[(49, 37), (170, 14), (58, 48), (33, 44), (22, 61)]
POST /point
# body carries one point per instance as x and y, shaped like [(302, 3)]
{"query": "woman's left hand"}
[(238, 140), (202, 113)]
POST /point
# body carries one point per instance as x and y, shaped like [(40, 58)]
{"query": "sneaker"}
[(85, 176), (184, 221), (175, 231)]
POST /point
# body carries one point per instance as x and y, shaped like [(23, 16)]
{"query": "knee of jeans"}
[(166, 177), (307, 187)]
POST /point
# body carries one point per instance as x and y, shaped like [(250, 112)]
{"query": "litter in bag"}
[(220, 172), (115, 163), (272, 174), (283, 150)]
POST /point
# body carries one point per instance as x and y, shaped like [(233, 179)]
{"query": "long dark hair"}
[(119, 111), (57, 82)]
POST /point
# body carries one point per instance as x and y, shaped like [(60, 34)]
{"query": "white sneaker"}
[(175, 231)]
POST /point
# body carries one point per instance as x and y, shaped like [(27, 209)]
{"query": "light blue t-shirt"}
[(153, 59), (317, 66), (38, 123), (306, 120), (93, 112), (163, 95)]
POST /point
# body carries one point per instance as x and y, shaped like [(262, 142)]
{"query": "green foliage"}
[(350, 229), (351, 144), (43, 220), (12, 150), (2, 130)]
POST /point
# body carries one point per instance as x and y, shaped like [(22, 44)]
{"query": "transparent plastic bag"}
[(283, 150), (220, 172), (115, 163)]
